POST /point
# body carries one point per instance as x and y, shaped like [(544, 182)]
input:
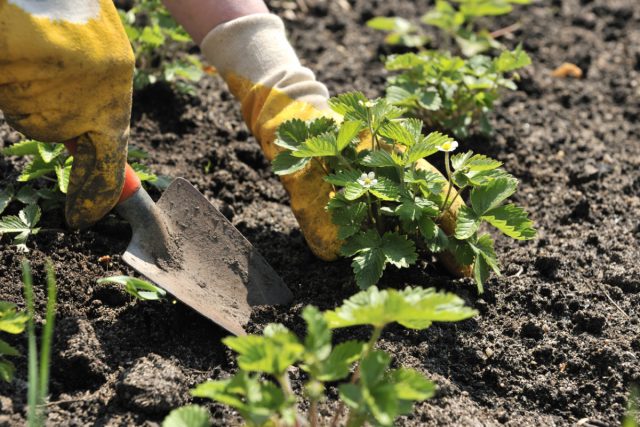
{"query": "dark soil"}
[(557, 340)]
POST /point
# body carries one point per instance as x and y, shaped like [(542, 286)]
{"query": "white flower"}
[(448, 146), (367, 103), (367, 180)]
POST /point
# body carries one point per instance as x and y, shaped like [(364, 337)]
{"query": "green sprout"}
[(39, 366), (388, 203), (369, 388)]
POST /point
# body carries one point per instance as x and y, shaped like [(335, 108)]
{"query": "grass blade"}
[(47, 334), (32, 393)]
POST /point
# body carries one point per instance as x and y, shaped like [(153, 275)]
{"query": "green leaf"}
[(49, 152), (63, 173), (398, 249), (354, 190), (485, 259), (467, 223), (318, 339), (257, 401), (362, 241), (7, 350), (385, 189), (7, 370), (152, 36), (271, 353), (36, 169), (284, 163), (343, 177), (492, 194), (348, 217), (379, 159), (352, 105), (385, 23), (321, 125), (413, 307), (429, 100), (337, 366), (188, 416), (138, 288), (412, 209), (28, 147), (419, 151), (28, 195), (396, 132), (23, 225), (476, 163), (368, 267), (510, 61), (318, 146), (512, 220), (348, 133), (435, 238), (11, 320), (411, 385), (6, 196), (373, 366), (291, 134)]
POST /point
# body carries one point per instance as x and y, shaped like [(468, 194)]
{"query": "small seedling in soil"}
[(632, 415), (12, 321), (451, 93), (371, 391), (24, 225), (457, 19), (50, 165), (39, 366), (387, 202), (138, 288), (157, 41)]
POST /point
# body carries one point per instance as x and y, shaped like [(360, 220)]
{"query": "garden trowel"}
[(187, 247)]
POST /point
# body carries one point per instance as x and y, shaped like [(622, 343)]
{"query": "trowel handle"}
[(131, 181)]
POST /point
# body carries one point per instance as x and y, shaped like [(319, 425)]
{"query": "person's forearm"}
[(198, 17)]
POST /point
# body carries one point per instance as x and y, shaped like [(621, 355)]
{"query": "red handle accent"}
[(131, 181)]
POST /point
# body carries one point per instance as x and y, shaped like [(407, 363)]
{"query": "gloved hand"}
[(256, 60), (66, 70)]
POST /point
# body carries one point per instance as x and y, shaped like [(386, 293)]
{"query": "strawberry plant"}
[(159, 44), (389, 204), (457, 19), (12, 321), (372, 391), (450, 92), (23, 225)]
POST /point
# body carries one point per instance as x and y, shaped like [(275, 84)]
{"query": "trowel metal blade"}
[(216, 271)]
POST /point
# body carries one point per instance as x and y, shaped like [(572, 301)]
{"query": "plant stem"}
[(458, 194), (448, 169), (47, 334), (32, 363), (369, 207), (326, 171), (313, 413), (375, 336)]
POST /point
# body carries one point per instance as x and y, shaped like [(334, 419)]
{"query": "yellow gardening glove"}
[(256, 60), (66, 70)]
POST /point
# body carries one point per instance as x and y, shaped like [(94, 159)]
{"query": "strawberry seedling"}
[(457, 19), (388, 203), (156, 37), (449, 92), (372, 391)]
